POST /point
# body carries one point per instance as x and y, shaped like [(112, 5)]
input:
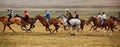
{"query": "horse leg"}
[(11, 28), (108, 28), (65, 28), (82, 27), (23, 27), (112, 28), (91, 28), (47, 27), (96, 28), (31, 26), (72, 31), (4, 28), (56, 27)]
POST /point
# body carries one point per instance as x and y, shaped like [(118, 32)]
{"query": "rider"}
[(10, 13), (26, 15), (99, 16), (76, 15), (47, 16), (103, 18), (69, 15)]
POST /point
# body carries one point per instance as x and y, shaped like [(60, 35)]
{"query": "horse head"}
[(91, 19), (61, 16), (39, 17), (113, 18)]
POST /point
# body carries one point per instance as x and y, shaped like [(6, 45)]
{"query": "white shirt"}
[(104, 16), (99, 16)]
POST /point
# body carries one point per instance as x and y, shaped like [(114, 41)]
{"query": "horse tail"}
[(61, 22)]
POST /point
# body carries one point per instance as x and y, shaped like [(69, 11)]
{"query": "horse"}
[(81, 25), (115, 19), (30, 21), (108, 23), (4, 20), (74, 22), (53, 21)]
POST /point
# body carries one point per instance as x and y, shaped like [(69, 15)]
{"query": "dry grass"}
[(39, 37)]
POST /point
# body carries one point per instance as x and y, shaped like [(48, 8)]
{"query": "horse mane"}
[(64, 15), (40, 17), (18, 16), (90, 19)]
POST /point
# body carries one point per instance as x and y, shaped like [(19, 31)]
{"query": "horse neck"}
[(64, 18), (95, 21), (42, 19), (3, 18)]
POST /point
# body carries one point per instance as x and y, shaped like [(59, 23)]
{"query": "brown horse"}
[(108, 23), (82, 24), (53, 21), (4, 20), (30, 21), (115, 19)]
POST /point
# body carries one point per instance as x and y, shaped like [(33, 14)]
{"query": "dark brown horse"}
[(115, 19), (82, 24), (30, 21), (4, 20), (53, 21), (108, 23)]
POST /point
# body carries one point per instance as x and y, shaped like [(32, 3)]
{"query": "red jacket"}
[(26, 14)]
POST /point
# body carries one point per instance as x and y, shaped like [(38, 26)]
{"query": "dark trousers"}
[(26, 18), (10, 16), (68, 21)]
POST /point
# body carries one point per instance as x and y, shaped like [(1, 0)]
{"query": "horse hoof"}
[(72, 34)]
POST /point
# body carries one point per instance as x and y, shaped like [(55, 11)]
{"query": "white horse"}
[(75, 23)]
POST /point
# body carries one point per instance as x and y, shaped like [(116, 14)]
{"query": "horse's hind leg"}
[(82, 27), (11, 28), (112, 28), (56, 28)]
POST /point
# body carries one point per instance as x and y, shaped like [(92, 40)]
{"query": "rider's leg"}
[(68, 21), (47, 20), (9, 18), (102, 21)]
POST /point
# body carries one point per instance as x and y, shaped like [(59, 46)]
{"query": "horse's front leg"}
[(23, 27), (31, 26), (47, 27), (11, 28)]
